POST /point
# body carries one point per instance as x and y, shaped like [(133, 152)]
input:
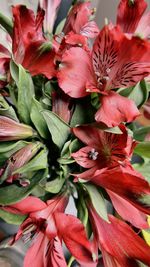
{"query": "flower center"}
[(93, 154)]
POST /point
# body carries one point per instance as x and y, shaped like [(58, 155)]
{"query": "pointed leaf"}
[(11, 218), (97, 200), (6, 23), (25, 95), (38, 120), (143, 149), (140, 133), (54, 186), (7, 110), (58, 128)]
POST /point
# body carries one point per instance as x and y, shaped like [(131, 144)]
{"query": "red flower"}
[(28, 42), (132, 19), (119, 244), (4, 65), (107, 159), (12, 130), (78, 21), (9, 171), (113, 64), (47, 226)]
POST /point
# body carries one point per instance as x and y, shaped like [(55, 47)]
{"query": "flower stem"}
[(70, 261)]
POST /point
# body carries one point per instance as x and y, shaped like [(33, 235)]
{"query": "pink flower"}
[(4, 65), (132, 19), (50, 7), (78, 21), (9, 171), (113, 64), (106, 157), (47, 226), (119, 244), (12, 130)]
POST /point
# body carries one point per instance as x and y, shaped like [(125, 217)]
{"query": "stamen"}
[(93, 154), (108, 70), (97, 73)]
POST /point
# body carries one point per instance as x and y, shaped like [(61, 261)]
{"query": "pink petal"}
[(115, 109), (50, 7), (73, 234), (82, 157), (73, 75), (119, 61), (128, 212), (90, 29), (143, 27), (129, 14)]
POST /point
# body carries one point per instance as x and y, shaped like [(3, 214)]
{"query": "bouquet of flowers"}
[(70, 96)]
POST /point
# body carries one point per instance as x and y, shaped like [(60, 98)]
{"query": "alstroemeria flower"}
[(4, 65), (28, 42), (131, 17), (13, 130), (9, 171), (106, 157), (78, 21), (119, 244), (50, 7), (47, 226), (113, 64)]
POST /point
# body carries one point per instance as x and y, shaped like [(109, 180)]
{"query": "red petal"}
[(60, 105), (129, 14), (115, 109), (74, 72), (77, 18), (54, 255), (28, 205), (127, 185), (82, 157), (73, 234), (35, 255), (128, 212), (120, 241), (38, 62)]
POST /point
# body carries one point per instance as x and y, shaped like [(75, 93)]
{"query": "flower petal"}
[(129, 14), (115, 109), (128, 212), (120, 241), (73, 234), (126, 184), (73, 75)]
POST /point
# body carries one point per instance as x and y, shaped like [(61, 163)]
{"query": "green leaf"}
[(68, 148), (11, 218), (39, 162), (6, 23), (138, 93), (58, 128), (83, 113), (60, 26), (25, 95), (144, 169), (14, 70), (97, 200), (54, 186), (7, 110), (140, 133), (12, 193), (143, 149), (38, 119)]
